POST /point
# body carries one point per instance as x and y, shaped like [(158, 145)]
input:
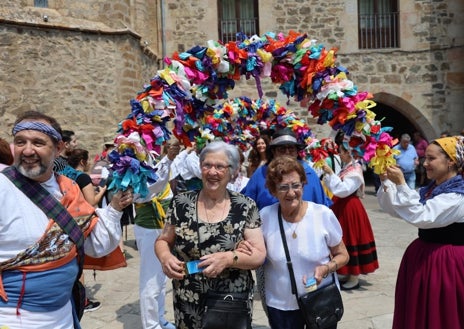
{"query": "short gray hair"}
[(405, 137), (230, 151)]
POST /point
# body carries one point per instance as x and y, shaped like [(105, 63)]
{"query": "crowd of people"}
[(211, 218)]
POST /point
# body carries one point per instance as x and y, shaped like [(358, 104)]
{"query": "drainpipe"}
[(163, 34)]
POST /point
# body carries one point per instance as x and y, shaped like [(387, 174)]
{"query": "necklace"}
[(294, 235), (297, 217), (214, 213)]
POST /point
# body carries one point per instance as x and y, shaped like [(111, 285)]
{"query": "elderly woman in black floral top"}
[(207, 225)]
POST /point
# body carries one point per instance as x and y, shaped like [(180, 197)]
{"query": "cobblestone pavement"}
[(370, 307)]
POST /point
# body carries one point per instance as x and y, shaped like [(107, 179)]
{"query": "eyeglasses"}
[(286, 187), (218, 167), (286, 148)]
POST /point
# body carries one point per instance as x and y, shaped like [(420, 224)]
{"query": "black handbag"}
[(321, 308), (225, 310)]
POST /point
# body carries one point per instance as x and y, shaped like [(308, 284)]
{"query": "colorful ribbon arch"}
[(192, 90)]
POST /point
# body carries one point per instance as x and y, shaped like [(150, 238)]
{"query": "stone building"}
[(82, 61)]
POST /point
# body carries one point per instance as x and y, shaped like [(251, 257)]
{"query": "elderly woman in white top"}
[(314, 239)]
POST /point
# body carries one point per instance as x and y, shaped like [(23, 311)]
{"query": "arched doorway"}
[(402, 116), (392, 118)]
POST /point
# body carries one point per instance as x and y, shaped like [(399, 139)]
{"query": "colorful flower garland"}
[(192, 88)]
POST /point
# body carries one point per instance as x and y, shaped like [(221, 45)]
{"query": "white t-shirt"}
[(318, 230)]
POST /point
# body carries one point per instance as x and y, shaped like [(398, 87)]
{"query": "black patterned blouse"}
[(214, 237)]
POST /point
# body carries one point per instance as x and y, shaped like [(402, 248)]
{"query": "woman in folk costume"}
[(347, 188), (430, 286)]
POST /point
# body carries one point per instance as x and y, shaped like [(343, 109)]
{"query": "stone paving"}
[(370, 307)]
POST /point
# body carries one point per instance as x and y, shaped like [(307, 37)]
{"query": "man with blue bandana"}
[(40, 257)]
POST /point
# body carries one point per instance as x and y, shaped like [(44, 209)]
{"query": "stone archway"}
[(397, 110)]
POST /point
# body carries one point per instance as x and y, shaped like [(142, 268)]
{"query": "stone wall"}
[(84, 80), (80, 71)]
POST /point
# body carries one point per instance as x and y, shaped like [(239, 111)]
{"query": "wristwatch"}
[(235, 259)]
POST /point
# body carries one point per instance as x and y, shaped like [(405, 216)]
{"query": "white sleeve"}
[(191, 166), (345, 187), (177, 164), (105, 236), (385, 196), (400, 201)]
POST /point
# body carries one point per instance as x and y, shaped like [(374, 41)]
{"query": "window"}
[(237, 16), (41, 3), (378, 24)]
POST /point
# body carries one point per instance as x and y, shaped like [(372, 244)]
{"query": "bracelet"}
[(235, 259), (328, 271), (336, 265)]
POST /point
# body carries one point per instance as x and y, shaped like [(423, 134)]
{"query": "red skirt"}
[(430, 287), (357, 236)]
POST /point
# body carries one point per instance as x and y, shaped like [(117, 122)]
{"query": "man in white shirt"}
[(39, 260)]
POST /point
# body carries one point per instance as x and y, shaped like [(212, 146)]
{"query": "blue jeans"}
[(410, 178), (279, 319)]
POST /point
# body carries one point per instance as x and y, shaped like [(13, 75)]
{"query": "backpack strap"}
[(71, 172)]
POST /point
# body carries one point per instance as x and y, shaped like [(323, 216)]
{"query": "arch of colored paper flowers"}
[(192, 91)]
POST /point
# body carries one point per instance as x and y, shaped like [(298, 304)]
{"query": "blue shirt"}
[(257, 190), (406, 158)]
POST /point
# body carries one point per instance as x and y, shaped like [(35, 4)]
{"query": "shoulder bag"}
[(321, 308), (226, 310)]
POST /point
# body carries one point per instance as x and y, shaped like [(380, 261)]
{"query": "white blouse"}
[(345, 187), (316, 232)]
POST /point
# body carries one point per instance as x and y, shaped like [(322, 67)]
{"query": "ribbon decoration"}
[(192, 90)]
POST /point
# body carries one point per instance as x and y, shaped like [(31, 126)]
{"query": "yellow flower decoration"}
[(383, 158), (264, 55)]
